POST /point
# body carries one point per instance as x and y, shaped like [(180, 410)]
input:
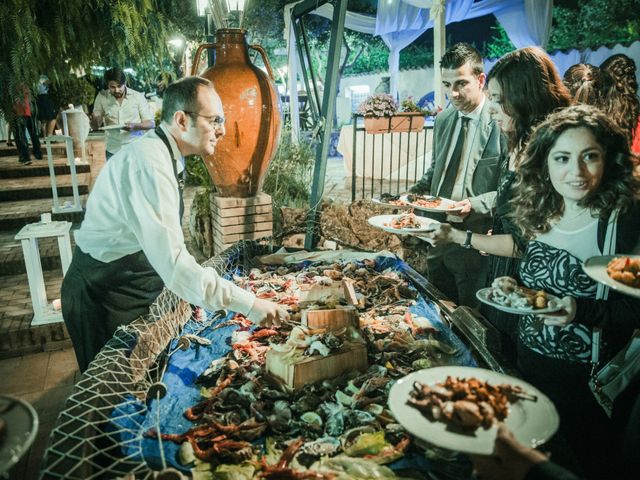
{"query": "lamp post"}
[(204, 10), (177, 46)]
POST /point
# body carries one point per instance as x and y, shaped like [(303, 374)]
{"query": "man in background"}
[(120, 106)]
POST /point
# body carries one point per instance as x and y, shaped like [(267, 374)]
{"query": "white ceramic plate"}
[(444, 207), (113, 127), (532, 422), (483, 296), (596, 268), (382, 221), (390, 205)]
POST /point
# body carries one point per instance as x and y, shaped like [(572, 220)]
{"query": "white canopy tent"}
[(400, 22)]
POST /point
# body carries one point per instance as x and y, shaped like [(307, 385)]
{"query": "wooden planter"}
[(400, 122)]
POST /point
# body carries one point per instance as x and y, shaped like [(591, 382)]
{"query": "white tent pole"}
[(437, 14)]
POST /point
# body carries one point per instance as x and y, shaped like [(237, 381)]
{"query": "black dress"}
[(505, 323)]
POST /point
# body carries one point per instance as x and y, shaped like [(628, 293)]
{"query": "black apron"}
[(98, 297)]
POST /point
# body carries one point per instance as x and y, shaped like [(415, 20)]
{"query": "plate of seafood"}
[(505, 294), (620, 272), (429, 203), (404, 223), (391, 201), (459, 408)]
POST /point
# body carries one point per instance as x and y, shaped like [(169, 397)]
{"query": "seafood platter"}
[(404, 224), (505, 294), (429, 203), (460, 408), (392, 201), (226, 409), (619, 272)]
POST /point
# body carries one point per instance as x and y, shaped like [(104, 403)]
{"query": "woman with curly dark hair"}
[(575, 193), (586, 83), (621, 101)]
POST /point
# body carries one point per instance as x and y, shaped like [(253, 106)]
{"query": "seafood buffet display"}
[(224, 413)]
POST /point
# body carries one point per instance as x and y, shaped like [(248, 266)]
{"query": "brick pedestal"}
[(236, 219)]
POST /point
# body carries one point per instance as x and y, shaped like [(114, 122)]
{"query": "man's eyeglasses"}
[(215, 121)]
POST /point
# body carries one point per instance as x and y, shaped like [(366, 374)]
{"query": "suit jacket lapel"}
[(480, 143), (444, 142)]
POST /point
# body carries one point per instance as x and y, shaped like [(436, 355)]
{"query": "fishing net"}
[(104, 415)]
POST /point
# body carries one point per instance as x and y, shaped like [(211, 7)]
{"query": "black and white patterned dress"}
[(558, 272)]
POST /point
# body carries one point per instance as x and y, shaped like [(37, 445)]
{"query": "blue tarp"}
[(184, 366)]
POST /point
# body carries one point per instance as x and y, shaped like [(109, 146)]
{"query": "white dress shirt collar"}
[(475, 115)]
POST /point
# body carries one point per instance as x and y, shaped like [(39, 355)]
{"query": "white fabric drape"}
[(400, 22)]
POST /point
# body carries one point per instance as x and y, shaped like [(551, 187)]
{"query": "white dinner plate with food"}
[(488, 296), (429, 203), (402, 224), (533, 418), (598, 269), (391, 201), (113, 127)]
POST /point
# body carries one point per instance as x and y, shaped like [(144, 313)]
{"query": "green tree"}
[(56, 36), (595, 23), (499, 43)]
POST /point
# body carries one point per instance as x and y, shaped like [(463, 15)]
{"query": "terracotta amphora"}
[(252, 111)]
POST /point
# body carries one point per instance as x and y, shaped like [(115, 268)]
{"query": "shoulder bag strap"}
[(602, 291)]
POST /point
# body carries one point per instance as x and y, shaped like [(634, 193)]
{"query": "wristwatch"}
[(467, 242)]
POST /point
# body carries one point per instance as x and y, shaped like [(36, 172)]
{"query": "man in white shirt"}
[(468, 150), (120, 106), (130, 244)]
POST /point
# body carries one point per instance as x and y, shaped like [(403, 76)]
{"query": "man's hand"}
[(563, 317), (95, 121), (510, 460), (466, 209), (266, 313)]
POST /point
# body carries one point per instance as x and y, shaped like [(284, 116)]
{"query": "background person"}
[(586, 84), (120, 105), (130, 244), (467, 150), (46, 110), (23, 123), (621, 101)]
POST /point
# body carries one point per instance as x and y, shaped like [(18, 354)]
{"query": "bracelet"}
[(467, 242)]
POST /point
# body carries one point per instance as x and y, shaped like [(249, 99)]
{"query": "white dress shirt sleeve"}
[(151, 202), (98, 106), (144, 109)]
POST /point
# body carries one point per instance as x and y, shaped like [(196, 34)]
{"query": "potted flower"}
[(382, 115)]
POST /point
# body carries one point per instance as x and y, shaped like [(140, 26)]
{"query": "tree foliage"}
[(595, 23), (58, 36)]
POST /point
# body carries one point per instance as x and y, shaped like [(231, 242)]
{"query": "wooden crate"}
[(314, 369), (236, 219), (333, 319)]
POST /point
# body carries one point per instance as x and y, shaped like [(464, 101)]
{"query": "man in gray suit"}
[(468, 151)]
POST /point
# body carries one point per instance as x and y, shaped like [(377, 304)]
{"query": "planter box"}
[(400, 122)]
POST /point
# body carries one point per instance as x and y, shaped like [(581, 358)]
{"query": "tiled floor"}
[(45, 381)]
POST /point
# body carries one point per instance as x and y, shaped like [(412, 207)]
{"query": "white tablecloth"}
[(403, 160)]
